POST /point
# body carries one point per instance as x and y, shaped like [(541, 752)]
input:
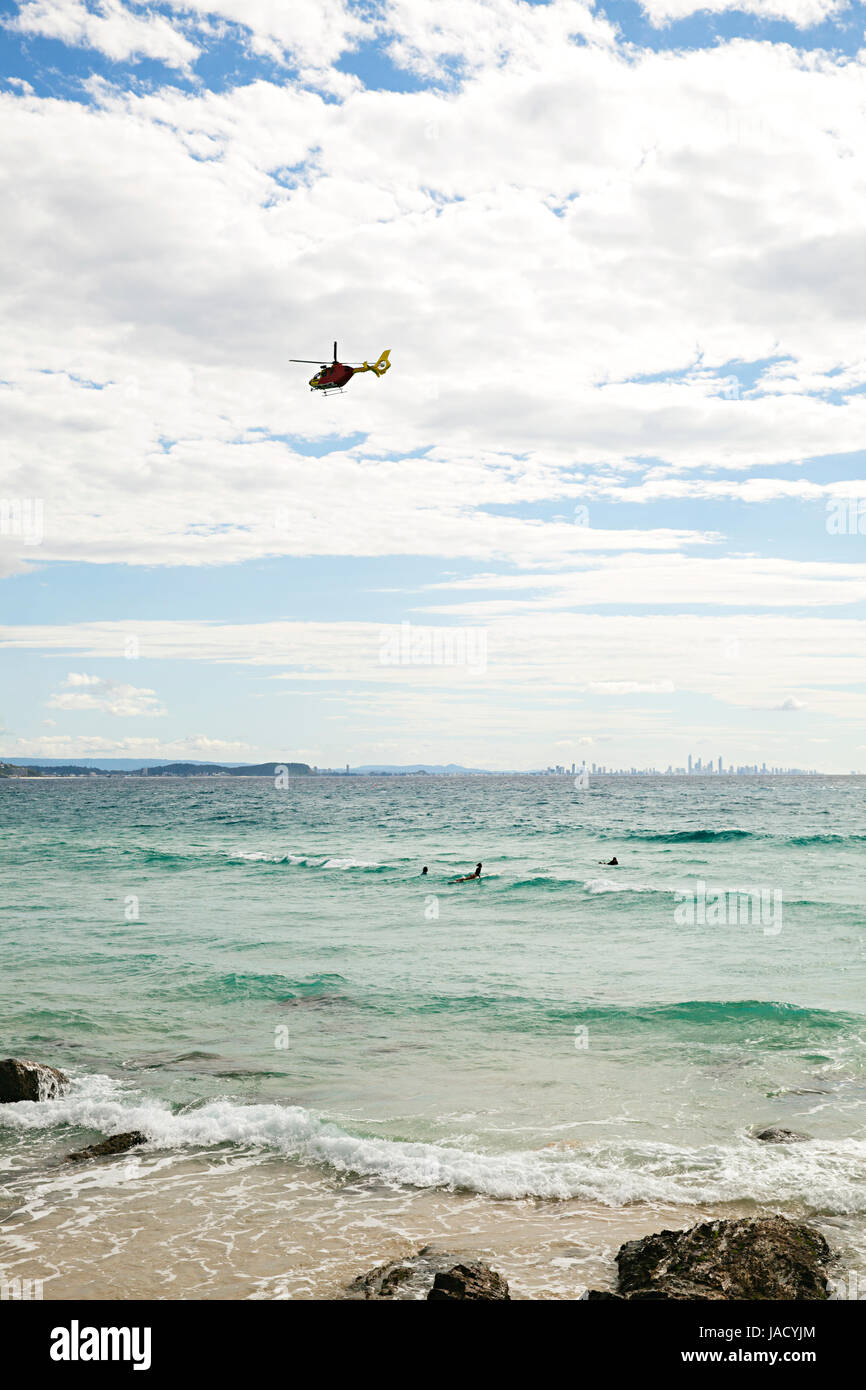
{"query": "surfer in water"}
[(423, 871), (467, 878), (609, 862)]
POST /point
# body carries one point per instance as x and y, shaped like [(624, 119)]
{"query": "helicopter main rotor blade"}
[(310, 361), (335, 352)]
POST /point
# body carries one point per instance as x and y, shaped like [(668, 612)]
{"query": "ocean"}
[(336, 1059)]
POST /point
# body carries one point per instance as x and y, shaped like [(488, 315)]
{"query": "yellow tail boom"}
[(380, 367)]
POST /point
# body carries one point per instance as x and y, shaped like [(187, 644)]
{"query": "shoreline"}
[(158, 1225)]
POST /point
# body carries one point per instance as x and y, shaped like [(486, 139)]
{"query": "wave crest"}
[(822, 1175)]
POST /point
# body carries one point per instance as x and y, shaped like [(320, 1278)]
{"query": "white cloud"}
[(746, 581), (191, 503), (311, 35), (119, 32), (121, 701), (467, 35), (658, 487), (535, 660), (197, 746), (803, 13), (79, 678), (631, 687), (195, 273)]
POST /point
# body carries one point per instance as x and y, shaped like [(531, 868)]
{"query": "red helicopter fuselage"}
[(333, 377)]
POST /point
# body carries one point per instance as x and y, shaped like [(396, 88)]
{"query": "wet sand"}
[(210, 1227)]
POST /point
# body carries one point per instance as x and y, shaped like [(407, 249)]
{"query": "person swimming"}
[(423, 871), (608, 862), (467, 878)]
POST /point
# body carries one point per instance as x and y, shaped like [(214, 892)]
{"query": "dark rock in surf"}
[(476, 1281), (764, 1258), (781, 1136), (21, 1080), (416, 1277), (117, 1144)]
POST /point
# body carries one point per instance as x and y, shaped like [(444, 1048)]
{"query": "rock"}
[(595, 1295), (476, 1280), (765, 1258), (20, 1080), (416, 1275), (781, 1136), (117, 1144)]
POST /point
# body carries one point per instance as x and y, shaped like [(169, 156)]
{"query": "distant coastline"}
[(43, 768), (20, 770)]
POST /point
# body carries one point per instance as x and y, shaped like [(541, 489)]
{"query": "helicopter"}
[(333, 376)]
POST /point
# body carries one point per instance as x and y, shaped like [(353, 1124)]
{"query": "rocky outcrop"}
[(20, 1080), (476, 1280), (781, 1136), (117, 1144), (765, 1258), (431, 1273)]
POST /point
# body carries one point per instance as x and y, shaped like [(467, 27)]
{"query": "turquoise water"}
[(232, 965)]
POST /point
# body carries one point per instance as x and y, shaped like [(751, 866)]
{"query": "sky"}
[(609, 502)]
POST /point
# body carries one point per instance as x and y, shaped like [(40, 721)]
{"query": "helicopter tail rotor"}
[(380, 367)]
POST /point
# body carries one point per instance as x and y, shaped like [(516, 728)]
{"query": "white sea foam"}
[(307, 861), (605, 885), (824, 1176)]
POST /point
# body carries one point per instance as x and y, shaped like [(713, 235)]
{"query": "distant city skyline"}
[(698, 769)]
